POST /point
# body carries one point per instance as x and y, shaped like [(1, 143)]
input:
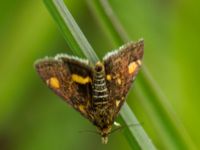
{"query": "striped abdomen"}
[(100, 91)]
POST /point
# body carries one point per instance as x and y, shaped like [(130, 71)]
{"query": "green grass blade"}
[(70, 30), (139, 133), (110, 21), (174, 134), (78, 42)]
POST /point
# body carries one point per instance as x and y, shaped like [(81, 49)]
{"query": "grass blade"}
[(70, 30), (139, 133)]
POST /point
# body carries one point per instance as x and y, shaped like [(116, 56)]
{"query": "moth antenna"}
[(89, 131), (123, 127), (116, 129)]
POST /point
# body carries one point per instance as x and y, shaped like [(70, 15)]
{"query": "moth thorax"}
[(100, 91)]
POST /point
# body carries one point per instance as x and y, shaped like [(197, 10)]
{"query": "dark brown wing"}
[(121, 68), (70, 78)]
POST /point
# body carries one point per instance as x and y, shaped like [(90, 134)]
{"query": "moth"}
[(96, 92)]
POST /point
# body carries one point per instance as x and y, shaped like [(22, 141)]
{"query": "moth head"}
[(104, 139), (99, 67)]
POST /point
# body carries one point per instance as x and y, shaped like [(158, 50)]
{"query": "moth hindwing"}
[(96, 92)]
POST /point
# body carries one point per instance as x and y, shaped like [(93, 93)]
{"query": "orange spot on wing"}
[(108, 77), (119, 81), (82, 108), (80, 79), (53, 82), (117, 102), (132, 67)]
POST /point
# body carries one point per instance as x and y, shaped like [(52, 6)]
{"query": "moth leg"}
[(117, 124)]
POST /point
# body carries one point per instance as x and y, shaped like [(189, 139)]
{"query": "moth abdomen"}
[(99, 88)]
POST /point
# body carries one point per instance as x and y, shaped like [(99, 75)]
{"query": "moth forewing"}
[(121, 67)]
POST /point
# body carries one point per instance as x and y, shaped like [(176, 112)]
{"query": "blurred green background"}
[(32, 117)]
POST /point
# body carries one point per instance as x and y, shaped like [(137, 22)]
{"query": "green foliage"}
[(31, 117)]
